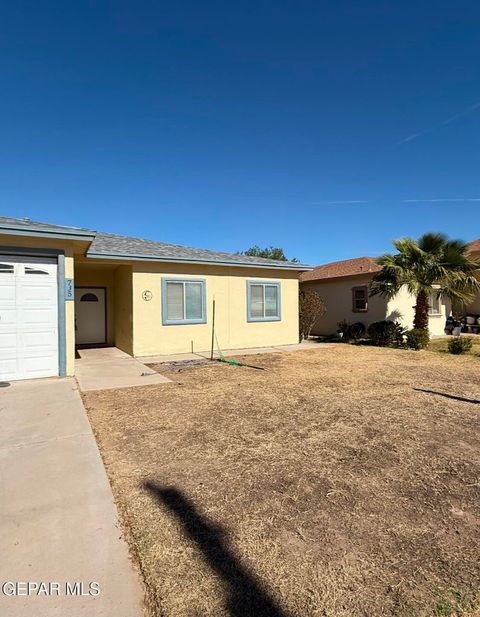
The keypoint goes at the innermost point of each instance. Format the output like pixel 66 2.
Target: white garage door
pixel 28 318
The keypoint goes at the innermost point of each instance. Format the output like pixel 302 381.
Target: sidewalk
pixel 58 521
pixel 228 353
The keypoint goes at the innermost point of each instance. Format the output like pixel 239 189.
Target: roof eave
pixel 32 231
pixel 210 262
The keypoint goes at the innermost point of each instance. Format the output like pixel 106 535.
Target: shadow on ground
pixel 246 596
pixel 452 396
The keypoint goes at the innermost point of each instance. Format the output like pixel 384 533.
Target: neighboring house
pixel 474 307
pixel 344 288
pixel 62 287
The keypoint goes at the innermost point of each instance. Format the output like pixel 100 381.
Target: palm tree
pixel 432 265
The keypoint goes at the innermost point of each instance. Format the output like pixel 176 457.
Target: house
pixel 344 288
pixel 473 309
pixel 67 287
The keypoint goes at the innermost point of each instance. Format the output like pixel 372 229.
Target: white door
pixel 28 318
pixel 90 316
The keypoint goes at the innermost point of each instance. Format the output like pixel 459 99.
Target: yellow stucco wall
pixel 337 296
pixel 123 309
pixel 228 286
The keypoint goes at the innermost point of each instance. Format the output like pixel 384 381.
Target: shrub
pixel 418 338
pixel 386 333
pixel 460 344
pixel 311 308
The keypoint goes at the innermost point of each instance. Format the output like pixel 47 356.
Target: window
pixel 6 268
pixel 360 299
pixel 183 301
pixel 434 304
pixel 263 301
pixel 89 297
pixel 34 271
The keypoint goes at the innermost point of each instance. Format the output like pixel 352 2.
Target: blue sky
pixel 322 127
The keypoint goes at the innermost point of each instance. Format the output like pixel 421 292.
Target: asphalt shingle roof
pixel 111 245
pixel 474 246
pixel 28 224
pixel 336 269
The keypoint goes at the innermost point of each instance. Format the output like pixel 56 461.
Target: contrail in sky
pixel 348 201
pixel 449 120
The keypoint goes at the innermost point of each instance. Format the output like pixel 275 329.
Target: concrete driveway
pixel 58 521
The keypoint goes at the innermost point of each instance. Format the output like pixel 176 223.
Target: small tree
pixel 270 252
pixel 311 308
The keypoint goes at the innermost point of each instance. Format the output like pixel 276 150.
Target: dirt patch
pixel 337 482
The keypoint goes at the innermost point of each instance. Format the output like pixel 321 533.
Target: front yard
pixel 338 482
pixel 441 345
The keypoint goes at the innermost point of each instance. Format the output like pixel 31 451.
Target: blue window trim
pixel 183 322
pixel 273 284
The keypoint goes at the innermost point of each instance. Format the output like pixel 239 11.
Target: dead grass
pixel 338 482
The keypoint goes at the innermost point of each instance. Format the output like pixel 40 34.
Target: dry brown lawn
pixel 338 482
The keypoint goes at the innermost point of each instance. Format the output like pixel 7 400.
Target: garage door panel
pixel 28 321
pixel 8 317
pixel 7 292
pixel 39 366
pixel 36 342
pixel 8 370
pixel 33 294
pixel 8 345
pixel 38 317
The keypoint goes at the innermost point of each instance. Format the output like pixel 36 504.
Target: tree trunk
pixel 420 320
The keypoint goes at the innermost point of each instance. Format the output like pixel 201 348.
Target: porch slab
pixel 109 367
pixel 251 351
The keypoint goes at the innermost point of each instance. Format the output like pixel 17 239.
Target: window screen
pixel 183 301
pixel 263 301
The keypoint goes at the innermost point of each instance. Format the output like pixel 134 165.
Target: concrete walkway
pixel 250 351
pixel 58 521
pixel 109 367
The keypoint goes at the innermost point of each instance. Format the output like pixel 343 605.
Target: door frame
pixel 59 254
pixel 104 344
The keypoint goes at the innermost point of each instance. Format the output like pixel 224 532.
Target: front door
pixel 90 316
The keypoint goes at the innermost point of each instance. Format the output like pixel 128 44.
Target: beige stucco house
pixel 344 288
pixel 65 287
pixel 474 307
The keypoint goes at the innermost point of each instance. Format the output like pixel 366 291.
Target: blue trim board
pixel 183 322
pixel 31 233
pixel 62 338
pixel 277 284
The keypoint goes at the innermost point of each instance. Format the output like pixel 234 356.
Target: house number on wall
pixel 147 295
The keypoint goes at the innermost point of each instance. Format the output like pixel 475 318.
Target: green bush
pixel 460 344
pixel 386 333
pixel 418 338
